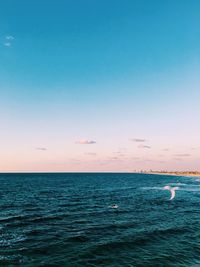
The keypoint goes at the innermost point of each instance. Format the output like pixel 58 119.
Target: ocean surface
pixel 68 220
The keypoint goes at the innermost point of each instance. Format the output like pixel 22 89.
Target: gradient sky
pixel 99 85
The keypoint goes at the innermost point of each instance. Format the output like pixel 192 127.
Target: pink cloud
pixel 144 146
pixel 85 142
pixel 139 140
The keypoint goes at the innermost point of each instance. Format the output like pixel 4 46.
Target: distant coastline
pixel 176 173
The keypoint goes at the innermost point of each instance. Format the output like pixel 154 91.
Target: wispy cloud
pixel 194 148
pixel 139 140
pixel 144 146
pixel 8 40
pixel 165 149
pixel 41 148
pixel 90 153
pixel 8 44
pixel 118 153
pixel 9 37
pixel 113 158
pixel 85 142
pixel 182 155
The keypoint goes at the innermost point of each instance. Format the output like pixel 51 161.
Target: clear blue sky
pixel 103 71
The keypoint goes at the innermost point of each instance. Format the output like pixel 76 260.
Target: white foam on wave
pixel 177 184
pixel 114 206
pixel 10 239
pixel 152 188
pixel 190 189
pixel 184 187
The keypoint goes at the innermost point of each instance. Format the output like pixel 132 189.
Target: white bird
pixel 172 190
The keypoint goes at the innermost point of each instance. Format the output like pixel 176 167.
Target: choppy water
pixel 66 220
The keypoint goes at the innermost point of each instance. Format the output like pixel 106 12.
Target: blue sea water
pixel 66 219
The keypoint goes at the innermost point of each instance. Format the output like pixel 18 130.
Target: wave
pixel 13 218
pixel 186 187
pixel 78 238
pixel 44 225
pixel 8 206
pixel 136 241
pixel 47 218
pixel 152 188
pixel 8 240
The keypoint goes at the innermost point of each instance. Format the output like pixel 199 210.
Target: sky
pixel 99 86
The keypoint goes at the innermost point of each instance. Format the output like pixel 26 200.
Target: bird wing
pixel 173 193
pixel 175 188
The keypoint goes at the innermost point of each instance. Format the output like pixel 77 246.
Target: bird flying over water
pixel 172 190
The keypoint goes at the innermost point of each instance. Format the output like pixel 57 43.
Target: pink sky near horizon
pixel 99 157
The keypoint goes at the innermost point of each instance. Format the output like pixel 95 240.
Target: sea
pixel 68 219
